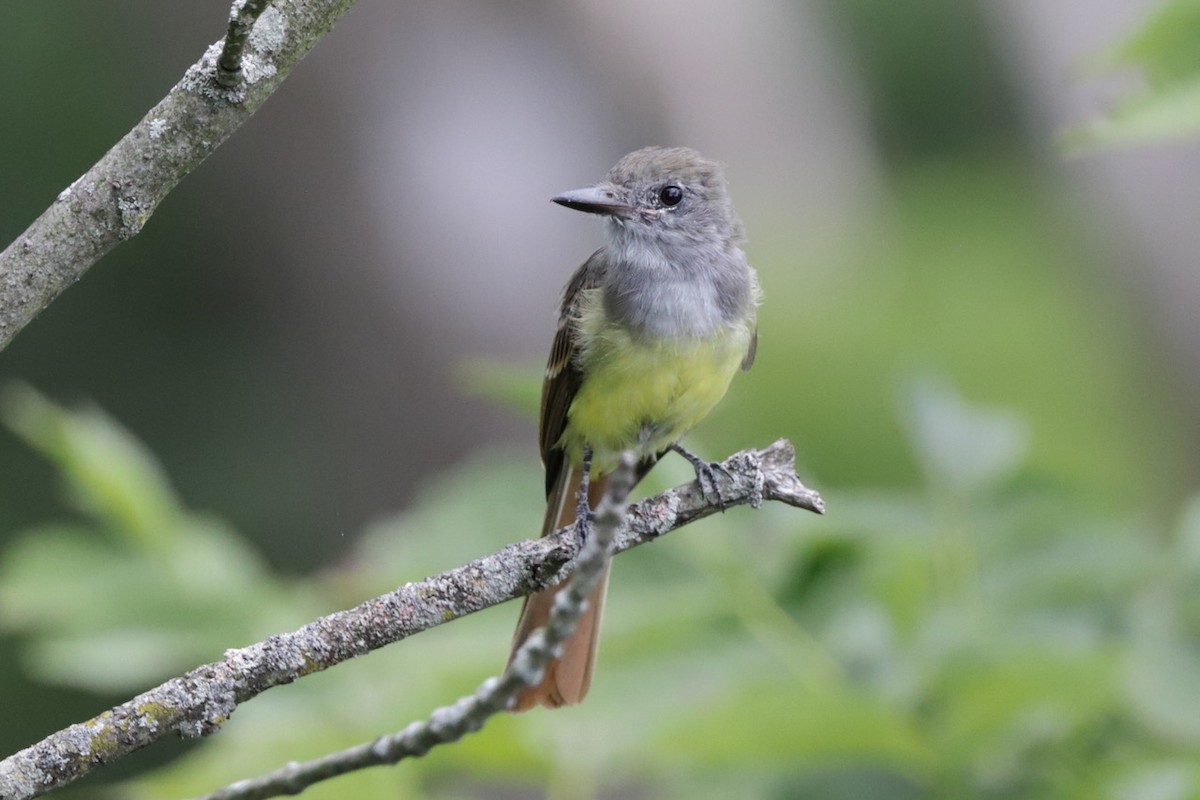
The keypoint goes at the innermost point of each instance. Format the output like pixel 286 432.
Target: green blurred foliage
pixel 138 587
pixel 987 635
pixel 1164 50
pixel 932 81
pixel 971 271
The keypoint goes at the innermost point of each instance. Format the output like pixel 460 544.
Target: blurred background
pixel 314 375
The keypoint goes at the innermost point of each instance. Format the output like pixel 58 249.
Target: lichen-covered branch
pixel 450 723
pixel 112 201
pixel 198 703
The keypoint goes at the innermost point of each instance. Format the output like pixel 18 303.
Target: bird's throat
pixel 661 290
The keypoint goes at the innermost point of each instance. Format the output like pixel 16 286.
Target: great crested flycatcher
pixel 651 330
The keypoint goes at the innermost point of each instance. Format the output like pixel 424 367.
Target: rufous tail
pixel 567 677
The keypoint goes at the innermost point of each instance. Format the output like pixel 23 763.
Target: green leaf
pixel 1163 681
pixel 109 474
pixel 1166 50
pixel 1162 780
pixel 1169 113
pixel 99 614
pixel 1167 45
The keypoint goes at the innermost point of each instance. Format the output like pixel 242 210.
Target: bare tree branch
pixel 198 703
pixel 450 723
pixel 112 201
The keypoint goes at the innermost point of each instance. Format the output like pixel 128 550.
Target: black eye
pixel 670 195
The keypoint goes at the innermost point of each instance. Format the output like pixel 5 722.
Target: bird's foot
pixel 584 516
pixel 706 476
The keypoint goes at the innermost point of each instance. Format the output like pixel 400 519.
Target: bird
pixel 651 330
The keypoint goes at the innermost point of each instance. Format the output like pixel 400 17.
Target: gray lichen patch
pixel 268 32
pixel 255 69
pixel 199 80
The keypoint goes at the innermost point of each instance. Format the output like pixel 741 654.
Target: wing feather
pixel 563 375
pixel 748 360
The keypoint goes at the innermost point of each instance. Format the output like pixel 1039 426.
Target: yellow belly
pixel 645 395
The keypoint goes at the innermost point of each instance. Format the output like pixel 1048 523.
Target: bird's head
pixel 671 194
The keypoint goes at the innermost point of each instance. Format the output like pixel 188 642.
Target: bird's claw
pixel 706 477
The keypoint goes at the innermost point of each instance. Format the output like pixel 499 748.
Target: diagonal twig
pixel 450 723
pixel 242 16
pixel 199 702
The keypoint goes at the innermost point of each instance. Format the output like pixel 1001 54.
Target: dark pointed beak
pixel 602 199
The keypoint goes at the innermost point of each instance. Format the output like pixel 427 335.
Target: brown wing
pixel 562 372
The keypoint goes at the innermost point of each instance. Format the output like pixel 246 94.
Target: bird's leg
pixel 706 475
pixel 583 512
